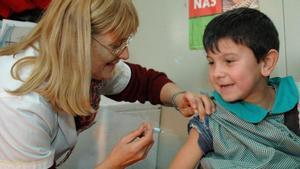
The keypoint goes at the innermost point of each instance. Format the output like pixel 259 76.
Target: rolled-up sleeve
pixel 205 139
pixel 26 132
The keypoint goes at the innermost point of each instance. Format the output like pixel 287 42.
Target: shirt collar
pixel 286 98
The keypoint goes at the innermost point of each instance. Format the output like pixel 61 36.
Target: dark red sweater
pixel 144 85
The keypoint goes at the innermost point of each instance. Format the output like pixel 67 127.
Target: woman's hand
pixel 189 103
pixel 186 102
pixel 130 149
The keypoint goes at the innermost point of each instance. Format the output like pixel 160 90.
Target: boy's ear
pixel 269 62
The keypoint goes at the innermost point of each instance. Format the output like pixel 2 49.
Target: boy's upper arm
pixel 197 145
pixel 189 154
pixel 193 144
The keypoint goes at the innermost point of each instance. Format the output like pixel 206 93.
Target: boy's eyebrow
pixel 230 55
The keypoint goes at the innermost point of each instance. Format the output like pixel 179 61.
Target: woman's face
pixel 104 59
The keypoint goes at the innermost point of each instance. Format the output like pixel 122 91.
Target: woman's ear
pixel 269 62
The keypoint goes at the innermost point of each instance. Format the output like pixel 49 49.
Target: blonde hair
pixel 61 72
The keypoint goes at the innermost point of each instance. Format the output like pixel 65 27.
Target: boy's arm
pixel 189 154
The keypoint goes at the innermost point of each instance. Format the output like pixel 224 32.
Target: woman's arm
pixel 27 126
pixel 156 87
pixel 189 154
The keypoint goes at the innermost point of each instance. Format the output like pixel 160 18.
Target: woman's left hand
pixel 189 103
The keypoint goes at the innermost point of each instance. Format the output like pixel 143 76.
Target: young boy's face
pixel 234 71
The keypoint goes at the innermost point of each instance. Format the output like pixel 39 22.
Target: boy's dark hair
pixel 245 26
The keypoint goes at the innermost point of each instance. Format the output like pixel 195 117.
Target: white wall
pixel 292 34
pixel 274 9
pixel 162 43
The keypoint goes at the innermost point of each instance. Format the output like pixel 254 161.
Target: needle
pixel 156 130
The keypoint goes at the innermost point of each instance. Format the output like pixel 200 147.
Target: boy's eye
pixel 210 62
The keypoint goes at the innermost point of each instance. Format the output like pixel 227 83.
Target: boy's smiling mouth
pixel 225 88
pixel 226 85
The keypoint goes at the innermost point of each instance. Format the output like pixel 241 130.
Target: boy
pixel 256 124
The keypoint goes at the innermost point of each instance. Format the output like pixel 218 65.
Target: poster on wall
pixel 203 11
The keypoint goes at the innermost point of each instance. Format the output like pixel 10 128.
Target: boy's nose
pixel 219 72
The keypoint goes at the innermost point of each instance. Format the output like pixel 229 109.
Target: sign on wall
pixel 204 7
pixel 201 12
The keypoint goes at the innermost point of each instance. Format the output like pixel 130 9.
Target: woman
pixel 47 94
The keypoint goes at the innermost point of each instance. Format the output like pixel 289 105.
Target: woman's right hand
pixel 130 149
